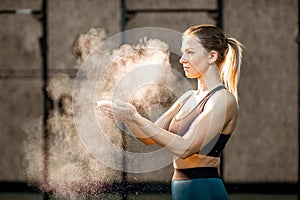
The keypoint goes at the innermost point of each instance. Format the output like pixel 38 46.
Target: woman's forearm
pixel 138 133
pixel 141 127
pixel 172 142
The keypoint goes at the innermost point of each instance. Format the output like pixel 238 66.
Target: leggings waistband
pixel 192 173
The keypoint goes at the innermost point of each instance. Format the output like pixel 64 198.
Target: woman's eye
pixel 189 52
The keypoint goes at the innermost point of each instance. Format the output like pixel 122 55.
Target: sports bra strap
pixel 206 98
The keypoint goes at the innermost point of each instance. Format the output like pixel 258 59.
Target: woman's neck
pixel 208 82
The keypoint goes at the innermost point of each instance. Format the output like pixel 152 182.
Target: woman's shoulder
pixel 225 98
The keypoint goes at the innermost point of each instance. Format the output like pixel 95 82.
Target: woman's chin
pixel 188 75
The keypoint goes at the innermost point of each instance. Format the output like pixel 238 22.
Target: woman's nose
pixel 182 59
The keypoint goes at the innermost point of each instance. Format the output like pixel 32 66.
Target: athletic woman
pixel 198 125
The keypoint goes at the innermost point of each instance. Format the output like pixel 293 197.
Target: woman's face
pixel 194 57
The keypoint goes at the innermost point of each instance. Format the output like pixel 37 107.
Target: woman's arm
pixel 163 121
pixel 210 122
pixel 138 133
pixel 218 112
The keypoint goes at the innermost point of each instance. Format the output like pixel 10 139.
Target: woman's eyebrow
pixel 188 48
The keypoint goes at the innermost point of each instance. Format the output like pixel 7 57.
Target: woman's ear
pixel 213 56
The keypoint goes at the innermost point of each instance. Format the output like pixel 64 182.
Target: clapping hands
pixel 118 110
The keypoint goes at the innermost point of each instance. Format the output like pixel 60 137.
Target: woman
pixel 197 127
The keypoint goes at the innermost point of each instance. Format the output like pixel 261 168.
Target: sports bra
pixel 180 126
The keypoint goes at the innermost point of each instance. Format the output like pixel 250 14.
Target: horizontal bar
pixel 23 11
pixel 169 10
pixel 34 71
pixel 18 76
pixel 29 76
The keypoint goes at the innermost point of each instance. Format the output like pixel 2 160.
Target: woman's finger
pixel 104 103
pixel 107 111
pixel 103 109
pixel 116 110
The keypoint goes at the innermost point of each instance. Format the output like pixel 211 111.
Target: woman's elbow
pixel 187 153
pixel 184 156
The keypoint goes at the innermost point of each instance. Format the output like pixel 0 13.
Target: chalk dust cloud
pixel 72 169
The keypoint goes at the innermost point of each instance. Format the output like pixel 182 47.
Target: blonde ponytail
pixel 229 69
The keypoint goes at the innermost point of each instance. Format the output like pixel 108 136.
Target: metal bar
pixel 35 70
pixel 40 76
pixel 124 184
pixel 47 102
pixel 220 25
pixel 298 109
pixel 123 20
pixel 123 15
pixel 197 10
pixel 220 14
pixel 18 76
pixel 124 190
pixel 24 11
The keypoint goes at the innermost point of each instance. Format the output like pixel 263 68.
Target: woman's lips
pixel 185 68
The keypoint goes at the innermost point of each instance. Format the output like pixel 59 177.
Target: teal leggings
pixel 199 189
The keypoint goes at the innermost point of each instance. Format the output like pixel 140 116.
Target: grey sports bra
pixel 181 126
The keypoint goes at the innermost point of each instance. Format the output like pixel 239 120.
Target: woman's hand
pixel 119 110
